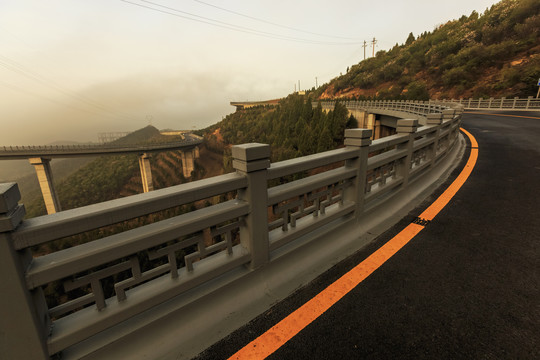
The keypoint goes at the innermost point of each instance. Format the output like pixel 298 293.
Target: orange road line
pixel 287 328
pixel 519 116
pixel 449 193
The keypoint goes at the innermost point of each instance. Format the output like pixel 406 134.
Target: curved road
pixel 466 287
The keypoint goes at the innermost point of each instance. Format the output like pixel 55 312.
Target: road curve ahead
pixel 465 287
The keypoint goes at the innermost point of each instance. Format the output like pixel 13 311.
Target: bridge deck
pixel 466 286
pixel 63 151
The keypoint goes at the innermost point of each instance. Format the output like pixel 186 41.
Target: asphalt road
pixel 466 287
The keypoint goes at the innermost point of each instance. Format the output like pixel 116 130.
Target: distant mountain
pixel 493 54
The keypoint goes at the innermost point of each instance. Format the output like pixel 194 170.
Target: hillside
pixel 493 54
pixel 292 129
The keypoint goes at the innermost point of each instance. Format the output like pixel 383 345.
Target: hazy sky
pixel 70 69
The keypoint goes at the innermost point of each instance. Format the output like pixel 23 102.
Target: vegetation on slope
pixel 496 53
pixel 292 129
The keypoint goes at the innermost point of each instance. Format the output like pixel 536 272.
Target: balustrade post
pixel 406 126
pixel 361 139
pixel 448 114
pixel 252 160
pixel 23 327
pixel 434 120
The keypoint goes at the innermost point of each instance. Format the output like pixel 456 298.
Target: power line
pixel 16 67
pixel 272 23
pixel 57 102
pixel 229 26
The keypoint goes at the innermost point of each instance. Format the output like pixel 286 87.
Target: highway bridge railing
pixel 518 104
pixel 425 107
pixel 120 284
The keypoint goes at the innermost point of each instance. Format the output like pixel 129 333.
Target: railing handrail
pixel 501 104
pixel 363 176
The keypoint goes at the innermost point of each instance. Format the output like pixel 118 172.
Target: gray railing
pixel 528 104
pixel 115 277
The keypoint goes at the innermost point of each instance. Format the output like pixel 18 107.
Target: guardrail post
pixel 528 102
pixel 23 327
pixel 361 139
pixel 252 160
pixel 514 104
pixel 434 120
pixel 406 126
pixel 448 114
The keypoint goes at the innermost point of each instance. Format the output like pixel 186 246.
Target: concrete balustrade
pixel 128 282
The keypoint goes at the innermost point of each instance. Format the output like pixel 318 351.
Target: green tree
pixel 410 39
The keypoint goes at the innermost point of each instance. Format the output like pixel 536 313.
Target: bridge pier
pixel 45 178
pixel 146 172
pixel 188 161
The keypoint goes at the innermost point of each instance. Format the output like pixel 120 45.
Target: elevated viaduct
pixel 41 156
pixel 240 105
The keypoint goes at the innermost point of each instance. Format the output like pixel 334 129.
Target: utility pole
pixel 317 85
pixel 299 89
pixel 364 46
pixel 373 42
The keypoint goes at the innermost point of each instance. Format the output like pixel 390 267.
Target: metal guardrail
pixel 113 278
pixel 503 104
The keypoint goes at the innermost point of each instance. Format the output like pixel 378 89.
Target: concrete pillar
pixel 406 126
pixel 359 138
pixel 45 178
pixel 187 163
pixel 146 172
pixel 23 328
pixel 377 130
pixel 370 121
pixel 434 119
pixel 252 160
pixel 448 114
